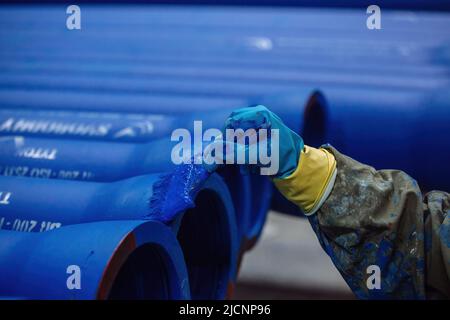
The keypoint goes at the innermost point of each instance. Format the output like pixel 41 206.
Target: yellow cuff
pixel 311 183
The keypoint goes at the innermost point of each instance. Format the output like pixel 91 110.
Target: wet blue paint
pixel 175 192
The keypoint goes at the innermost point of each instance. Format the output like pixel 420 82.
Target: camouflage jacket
pixel 380 218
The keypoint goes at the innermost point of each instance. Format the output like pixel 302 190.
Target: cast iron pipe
pixel 205 224
pixel 112 257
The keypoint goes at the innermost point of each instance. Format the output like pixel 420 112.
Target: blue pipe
pixel 45 99
pixel 362 45
pixel 18 157
pixel 399 4
pixel 393 129
pixel 318 58
pixel 66 124
pixel 279 43
pixel 106 126
pixel 205 224
pixel 72 202
pixel 85 160
pixel 24 60
pixel 175 20
pixel 112 257
pixel 344 123
pixel 219 19
pixel 95 169
pixel 260 185
pixel 87 125
pixel 129 103
pixel 388 129
pixel 203 16
pixel 210 243
pixel 229 82
pixel 184 19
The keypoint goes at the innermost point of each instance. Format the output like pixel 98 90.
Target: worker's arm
pixel 364 218
pixel 379 218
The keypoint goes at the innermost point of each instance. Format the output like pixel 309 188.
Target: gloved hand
pixel 306 175
pixel 259 117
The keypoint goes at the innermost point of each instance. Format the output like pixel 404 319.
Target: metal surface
pixel 36 265
pixel 383 100
pixel 182 66
pixel 85 161
pixel 207 232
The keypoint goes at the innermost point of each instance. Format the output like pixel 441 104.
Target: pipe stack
pixel 86 118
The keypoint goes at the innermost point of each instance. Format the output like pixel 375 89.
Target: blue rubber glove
pixel 259 117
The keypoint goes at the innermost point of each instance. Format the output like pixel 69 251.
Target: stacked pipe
pixel 117 260
pixel 87 115
pixel 206 237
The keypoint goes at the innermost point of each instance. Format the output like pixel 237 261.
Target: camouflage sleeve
pixel 379 218
pixel 437 244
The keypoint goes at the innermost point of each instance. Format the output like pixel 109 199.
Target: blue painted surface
pixel 131 199
pixel 80 202
pixel 33 265
pixel 85 161
pixel 88 125
pixel 196 59
pixel 398 4
pixel 383 97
